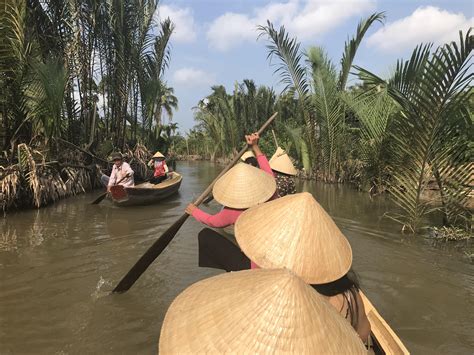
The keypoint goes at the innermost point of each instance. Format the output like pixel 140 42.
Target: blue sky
pixel 215 41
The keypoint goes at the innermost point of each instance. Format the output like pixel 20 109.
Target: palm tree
pixel 156 96
pixel 167 102
pixel 45 98
pixel 431 129
pixel 318 93
pixel 374 110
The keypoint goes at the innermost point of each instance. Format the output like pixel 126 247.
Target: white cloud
pixel 230 29
pixel 303 19
pixel 425 24
pixel 192 77
pixel 183 19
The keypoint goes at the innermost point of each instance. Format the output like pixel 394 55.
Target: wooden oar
pixel 101 197
pixel 162 242
pixel 208 199
pixel 275 138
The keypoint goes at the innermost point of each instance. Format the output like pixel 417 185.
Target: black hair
pixel 348 285
pixel 280 173
pixel 251 161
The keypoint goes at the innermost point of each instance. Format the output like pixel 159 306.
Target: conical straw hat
pixel 158 155
pixel 295 232
pixel 255 312
pixel 246 155
pixel 281 162
pixel 244 186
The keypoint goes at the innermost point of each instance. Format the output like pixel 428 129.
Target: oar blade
pixel 150 255
pixel 99 199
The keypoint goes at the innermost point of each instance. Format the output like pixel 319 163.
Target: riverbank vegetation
pixel 409 134
pixel 79 80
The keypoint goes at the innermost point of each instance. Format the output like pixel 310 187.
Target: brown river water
pixel 58 265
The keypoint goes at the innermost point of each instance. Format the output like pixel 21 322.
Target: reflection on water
pixel 58 265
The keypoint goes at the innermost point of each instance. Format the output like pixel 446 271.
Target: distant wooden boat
pixel 220 251
pixel 145 193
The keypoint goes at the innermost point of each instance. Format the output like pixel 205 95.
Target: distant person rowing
pixel 158 163
pixel 122 173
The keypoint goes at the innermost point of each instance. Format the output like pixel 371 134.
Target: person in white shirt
pixel 122 173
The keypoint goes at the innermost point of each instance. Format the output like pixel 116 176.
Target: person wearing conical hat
pixel 284 172
pixel 122 173
pixel 240 188
pixel 295 232
pixel 160 169
pixel 242 313
pixel 249 158
pixel 255 156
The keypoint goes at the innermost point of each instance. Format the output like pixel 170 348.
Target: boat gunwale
pixel 381 330
pixel 177 178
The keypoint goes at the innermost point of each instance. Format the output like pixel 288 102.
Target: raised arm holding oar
pixel 162 242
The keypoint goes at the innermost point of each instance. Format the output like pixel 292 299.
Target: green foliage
pixel 374 110
pixel 45 97
pixel 318 87
pixel 432 92
pixel 351 46
pixel 59 59
pixel 227 118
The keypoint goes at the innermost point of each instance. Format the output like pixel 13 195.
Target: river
pixel 58 264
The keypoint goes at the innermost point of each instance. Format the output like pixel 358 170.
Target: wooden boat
pixel 383 337
pixel 145 193
pixel 219 251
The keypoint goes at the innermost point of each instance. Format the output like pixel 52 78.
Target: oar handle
pixel 206 192
pixel 275 139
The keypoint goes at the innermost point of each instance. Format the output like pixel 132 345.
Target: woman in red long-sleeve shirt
pixel 228 215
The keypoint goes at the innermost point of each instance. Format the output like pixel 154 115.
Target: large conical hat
pixel 244 186
pixel 255 312
pixel 297 233
pixel 246 155
pixel 281 162
pixel 158 155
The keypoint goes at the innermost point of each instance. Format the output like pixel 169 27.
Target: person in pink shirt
pixel 160 169
pixel 228 215
pixel 257 159
pixel 122 173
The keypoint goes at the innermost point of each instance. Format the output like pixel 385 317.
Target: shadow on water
pixel 59 264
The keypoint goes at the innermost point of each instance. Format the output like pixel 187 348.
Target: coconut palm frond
pixel 328 109
pixel 291 67
pixel 297 138
pixel 351 46
pixel 432 92
pixel 374 110
pixel 157 62
pixel 45 95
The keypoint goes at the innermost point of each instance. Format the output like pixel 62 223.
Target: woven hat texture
pixel 281 162
pixel 244 186
pixel 295 232
pixel 258 311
